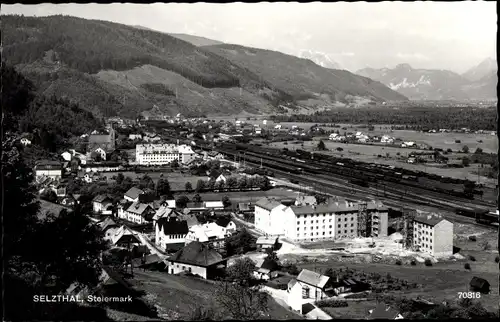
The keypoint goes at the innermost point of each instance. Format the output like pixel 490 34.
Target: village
pixel 179 210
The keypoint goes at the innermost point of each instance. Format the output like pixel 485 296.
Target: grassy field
pixel 174 178
pixel 442 281
pixel 369 153
pixel 178 296
pixel 356 310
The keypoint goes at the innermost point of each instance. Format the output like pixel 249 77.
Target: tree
pixel 119 178
pixel 182 201
pixel 226 201
pixel 340 149
pixel 242 183
pixel 200 185
pixel 465 149
pixel 49 195
pixel 231 182
pixel 146 182
pixel 197 198
pixel 163 187
pixel 174 164
pixel 272 256
pixel 188 186
pixel 465 161
pixel 321 146
pixel 320 199
pixel 478 151
pixel 241 271
pixel 96 157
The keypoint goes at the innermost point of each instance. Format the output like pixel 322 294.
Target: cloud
pixel 413 56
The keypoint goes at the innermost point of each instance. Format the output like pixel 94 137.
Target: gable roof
pixel 214 204
pixel 134 193
pixel 266 240
pixel 124 234
pixel 292 282
pixel 139 208
pixel 312 278
pixel 428 219
pixel 172 226
pixel 267 264
pixel 383 311
pixel 107 223
pixel 101 198
pixel 198 254
pixel 195 205
pixel 223 221
pixel 268 203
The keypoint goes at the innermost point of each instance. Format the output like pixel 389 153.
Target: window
pixel 323 233
pixel 298 222
pixel 189 269
pixel 317 221
pixel 330 226
pixel 323 221
pixel 298 229
pixel 352 225
pixel 345 225
pixel 345 231
pixel 339 226
pixel 311 234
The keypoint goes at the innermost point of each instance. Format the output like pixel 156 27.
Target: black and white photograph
pixel 250 161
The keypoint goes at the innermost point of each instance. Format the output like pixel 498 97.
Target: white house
pixel 214 205
pixel 269 216
pixel 433 234
pixel 101 152
pixel 51 169
pixel 102 204
pixel 309 287
pixel 140 213
pixel 227 224
pixel 277 126
pixel 265 269
pixel 196 258
pixel 159 154
pixel 135 137
pixel 209 233
pixel 221 178
pixel 407 144
pixel 170 233
pixel 133 194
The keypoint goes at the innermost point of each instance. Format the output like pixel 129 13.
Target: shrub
pixel 467 266
pixel 413 262
pixel 472 258
pixel 497 259
pixel 428 262
pixel 334 303
pixel 458 141
pixel 398 262
pixel 472 238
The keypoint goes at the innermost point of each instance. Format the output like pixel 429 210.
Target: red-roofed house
pixel 196 258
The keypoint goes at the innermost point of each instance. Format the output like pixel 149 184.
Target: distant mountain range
pixel 479 83
pixel 114 69
pixel 320 58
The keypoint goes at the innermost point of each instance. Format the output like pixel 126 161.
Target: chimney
pixel 429 216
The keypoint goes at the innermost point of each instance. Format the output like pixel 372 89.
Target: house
pixel 122 207
pixel 265 269
pixel 47 168
pixel 407 144
pixel 166 212
pixel 102 204
pixel 268 213
pixel 384 312
pixel 101 152
pixel 133 194
pixel 150 261
pixel 214 155
pixel 196 206
pixel 68 201
pixel 208 233
pixel 433 234
pixel 170 233
pixel 245 207
pixel 221 178
pixel 196 258
pixel 108 226
pixel 227 224
pixel 135 136
pixel 349 285
pixel 140 213
pixel 214 205
pixel 60 190
pixel 266 242
pixel 124 237
pixel 307 288
pixel 277 126
pixel 25 141
pixel 104 141
pixel 387 139
pixel 478 284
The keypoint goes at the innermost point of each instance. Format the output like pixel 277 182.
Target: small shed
pixel 479 284
pixel 266 242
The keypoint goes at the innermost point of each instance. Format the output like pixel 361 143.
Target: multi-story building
pixel 159 154
pixel 334 220
pixel 51 169
pixel 433 234
pixel 269 216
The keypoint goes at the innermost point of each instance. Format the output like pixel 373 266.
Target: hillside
pixel 484 69
pixel 197 40
pixel 302 78
pixel 114 69
pixel 424 84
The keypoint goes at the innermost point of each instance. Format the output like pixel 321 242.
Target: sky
pixel 432 35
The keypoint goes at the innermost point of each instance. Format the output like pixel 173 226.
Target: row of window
pixel 323 227
pixel 324 233
pixel 327 214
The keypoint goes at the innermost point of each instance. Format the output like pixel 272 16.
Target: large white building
pixel 269 216
pixel 159 154
pixel 433 234
pixel 306 223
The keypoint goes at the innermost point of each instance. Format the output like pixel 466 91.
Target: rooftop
pixel 134 193
pixel 173 226
pixel 198 254
pixel 429 219
pixel 383 311
pixel 312 278
pixel 268 203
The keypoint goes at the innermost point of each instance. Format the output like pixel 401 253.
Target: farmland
pixel 250 196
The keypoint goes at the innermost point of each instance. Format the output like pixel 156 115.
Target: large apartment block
pixel 433 234
pixel 335 220
pixel 159 154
